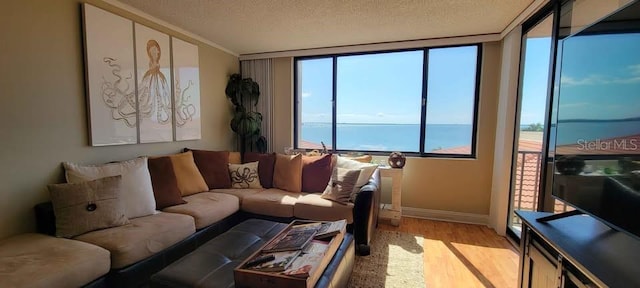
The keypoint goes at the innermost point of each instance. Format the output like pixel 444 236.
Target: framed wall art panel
pixel 110 83
pixel 186 73
pixel 153 62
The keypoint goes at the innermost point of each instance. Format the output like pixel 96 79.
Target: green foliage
pixel 537 127
pixel 244 95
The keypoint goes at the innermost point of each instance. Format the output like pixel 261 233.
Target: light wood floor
pixel 462 255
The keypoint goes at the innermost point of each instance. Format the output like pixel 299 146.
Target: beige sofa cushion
pixel 271 202
pixel 314 207
pixel 141 238
pixel 207 207
pixel 240 193
pixel 37 260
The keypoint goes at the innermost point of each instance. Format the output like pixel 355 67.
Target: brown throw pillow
pixel 245 176
pixel 213 165
pixel 341 186
pixel 87 206
pixel 164 182
pixel 287 173
pixel 316 173
pixel 266 163
pixel 188 176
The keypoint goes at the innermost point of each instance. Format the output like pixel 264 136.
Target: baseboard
pixel 450 216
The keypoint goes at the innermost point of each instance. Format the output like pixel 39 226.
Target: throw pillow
pixel 287 172
pixel 213 165
pixel 361 159
pixel 235 158
pixel 342 184
pixel 164 182
pixel 188 176
pixel 87 206
pixel 366 168
pixel 266 163
pixel 245 176
pixel 316 173
pixel 136 182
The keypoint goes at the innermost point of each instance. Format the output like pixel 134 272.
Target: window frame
pixel 423 117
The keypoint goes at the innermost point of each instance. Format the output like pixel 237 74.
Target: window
pixel 421 102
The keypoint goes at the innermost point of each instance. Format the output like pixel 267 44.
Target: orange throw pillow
pixel 188 176
pixel 287 173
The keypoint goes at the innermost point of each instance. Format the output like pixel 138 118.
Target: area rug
pixel 396 260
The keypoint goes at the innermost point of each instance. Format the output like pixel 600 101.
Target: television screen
pixel 597 131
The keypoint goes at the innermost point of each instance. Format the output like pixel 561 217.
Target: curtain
pixel 261 71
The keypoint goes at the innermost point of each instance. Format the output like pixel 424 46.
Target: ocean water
pixel 388 137
pixel 569 133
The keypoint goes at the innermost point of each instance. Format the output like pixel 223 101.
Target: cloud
pixel 595 79
pixel 380 114
pixel 306 94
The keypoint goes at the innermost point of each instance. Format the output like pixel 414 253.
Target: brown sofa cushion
pixel 266 164
pixel 287 173
pixel 271 202
pixel 188 176
pixel 314 207
pixel 213 167
pixel 37 260
pixel 141 238
pixel 207 207
pixel 87 206
pixel 165 184
pixel 316 172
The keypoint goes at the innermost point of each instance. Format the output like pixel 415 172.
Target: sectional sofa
pixel 127 255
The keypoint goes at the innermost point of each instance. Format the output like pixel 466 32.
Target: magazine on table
pixel 281 261
pixel 328 229
pixel 294 239
pixel 304 265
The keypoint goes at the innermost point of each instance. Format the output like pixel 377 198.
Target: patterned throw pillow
pixel 245 176
pixel 87 206
pixel 341 186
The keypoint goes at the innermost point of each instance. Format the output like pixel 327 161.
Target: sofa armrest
pixel 365 213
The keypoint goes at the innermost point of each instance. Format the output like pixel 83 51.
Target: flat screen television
pixel 597 123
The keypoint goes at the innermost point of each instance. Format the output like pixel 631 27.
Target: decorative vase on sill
pixel 397 160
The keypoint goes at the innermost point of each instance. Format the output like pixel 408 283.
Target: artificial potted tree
pixel 246 122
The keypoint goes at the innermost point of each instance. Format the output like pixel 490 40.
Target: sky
pixel 607 85
pixel 387 88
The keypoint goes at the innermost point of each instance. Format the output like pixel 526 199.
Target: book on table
pixel 309 260
pixel 328 229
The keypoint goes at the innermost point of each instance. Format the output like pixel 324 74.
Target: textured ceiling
pixel 255 26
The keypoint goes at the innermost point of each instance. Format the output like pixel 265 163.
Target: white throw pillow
pixel 341 185
pixel 137 192
pixel 244 176
pixel 366 170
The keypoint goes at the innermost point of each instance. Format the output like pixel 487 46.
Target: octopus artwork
pixel 154 93
pixel 119 95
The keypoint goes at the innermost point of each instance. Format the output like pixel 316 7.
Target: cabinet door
pixel 542 271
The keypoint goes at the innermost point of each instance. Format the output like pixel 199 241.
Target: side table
pixel 392 211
